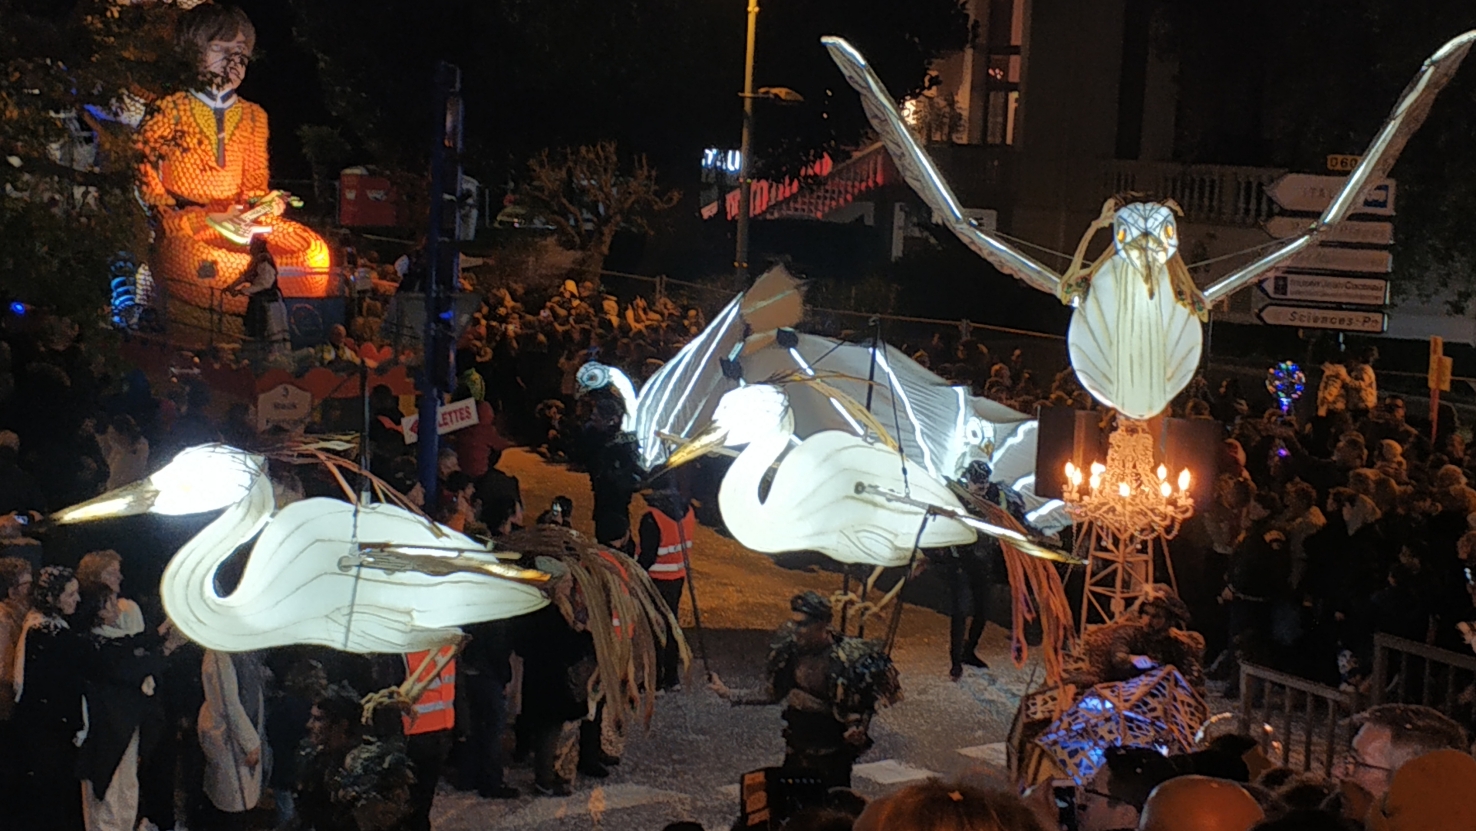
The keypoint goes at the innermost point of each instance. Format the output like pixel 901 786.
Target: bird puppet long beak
pixel 129 500
pixel 710 439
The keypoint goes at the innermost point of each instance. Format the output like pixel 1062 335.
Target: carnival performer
pixel 205 169
pixel 831 685
pixel 1153 634
pixel 266 314
pixel 968 571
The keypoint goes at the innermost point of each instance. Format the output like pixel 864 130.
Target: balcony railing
pixel 1213 194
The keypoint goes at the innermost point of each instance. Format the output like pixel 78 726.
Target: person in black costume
pixel 831 686
pixel 969 570
pixel 48 712
pixel 558 660
pixel 611 456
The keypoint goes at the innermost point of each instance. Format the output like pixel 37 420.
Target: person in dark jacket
pixel 123 718
pixel 611 457
pixel 558 658
pixel 48 710
pixel 484 671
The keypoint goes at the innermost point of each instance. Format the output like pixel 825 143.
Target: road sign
pixel 1348 231
pixel 1339 163
pixel 1327 288
pixel 1357 260
pixel 1311 193
pixel 1307 318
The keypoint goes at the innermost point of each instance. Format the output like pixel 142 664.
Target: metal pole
pixel 745 148
pixel 445 176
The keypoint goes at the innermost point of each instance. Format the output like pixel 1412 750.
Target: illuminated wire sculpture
pixel 820 497
pixel 1133 338
pixel 357 577
pixel 1157 710
pixel 940 428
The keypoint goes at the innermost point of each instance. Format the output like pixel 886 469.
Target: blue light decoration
pixel 1285 382
pixel 18 308
pixel 123 285
pixel 1158 710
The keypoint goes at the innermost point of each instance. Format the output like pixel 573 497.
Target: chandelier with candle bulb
pixel 1129 495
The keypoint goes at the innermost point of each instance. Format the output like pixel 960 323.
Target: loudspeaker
pixel 1193 443
pixel 1066 435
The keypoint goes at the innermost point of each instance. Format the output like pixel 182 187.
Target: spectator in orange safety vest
pixel 428 735
pixel 666 534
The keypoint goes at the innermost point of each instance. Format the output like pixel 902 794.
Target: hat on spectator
pixel 1429 793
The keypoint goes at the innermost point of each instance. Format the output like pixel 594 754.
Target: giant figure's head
pixel 220 39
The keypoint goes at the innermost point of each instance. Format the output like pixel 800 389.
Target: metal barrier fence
pixel 1313 711
pixel 1425 675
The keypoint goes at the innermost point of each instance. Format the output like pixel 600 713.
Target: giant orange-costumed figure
pixel 205 178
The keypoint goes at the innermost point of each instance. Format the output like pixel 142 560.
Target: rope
pixel 1232 255
pixel 692 593
pixel 1026 244
pixel 896 623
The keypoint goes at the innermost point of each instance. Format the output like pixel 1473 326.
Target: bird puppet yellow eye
pixel 1122 234
pixel 1168 232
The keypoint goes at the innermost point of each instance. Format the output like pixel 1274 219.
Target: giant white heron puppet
pixel 845 495
pixel 367 578
pixel 1134 338
pixel 940 428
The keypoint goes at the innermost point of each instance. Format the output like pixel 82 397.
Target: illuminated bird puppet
pixel 1134 338
pixel 368 578
pixel 749 380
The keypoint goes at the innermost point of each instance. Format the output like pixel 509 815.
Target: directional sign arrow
pixel 1357 233
pixel 1307 318
pixel 1360 260
pixel 1327 288
pixel 1311 193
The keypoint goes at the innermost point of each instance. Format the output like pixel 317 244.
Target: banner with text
pixel 452 417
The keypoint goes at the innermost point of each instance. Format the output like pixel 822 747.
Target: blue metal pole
pixel 438 370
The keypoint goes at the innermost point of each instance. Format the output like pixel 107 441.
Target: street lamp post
pixel 745 148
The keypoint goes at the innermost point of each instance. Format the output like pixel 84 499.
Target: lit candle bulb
pixel 1163 488
pixel 1095 481
pixel 1070 471
pixel 1163 473
pixel 1184 480
pixel 1123 490
pixel 1098 468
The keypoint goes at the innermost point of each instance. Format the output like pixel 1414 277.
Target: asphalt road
pixel 687 765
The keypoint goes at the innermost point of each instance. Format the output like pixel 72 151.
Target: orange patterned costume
pixel 202 160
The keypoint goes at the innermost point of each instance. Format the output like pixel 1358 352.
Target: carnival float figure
pixel 204 177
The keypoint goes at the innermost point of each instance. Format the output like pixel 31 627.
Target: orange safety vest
pixel 675 545
pixel 436 709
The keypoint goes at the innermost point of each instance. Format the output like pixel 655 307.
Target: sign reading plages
pixel 453 417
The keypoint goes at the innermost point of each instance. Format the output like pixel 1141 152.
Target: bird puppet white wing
pixel 682 394
pixel 918 169
pixel 1408 114
pixel 920 172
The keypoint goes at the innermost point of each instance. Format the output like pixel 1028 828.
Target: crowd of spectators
pixel 1330 523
